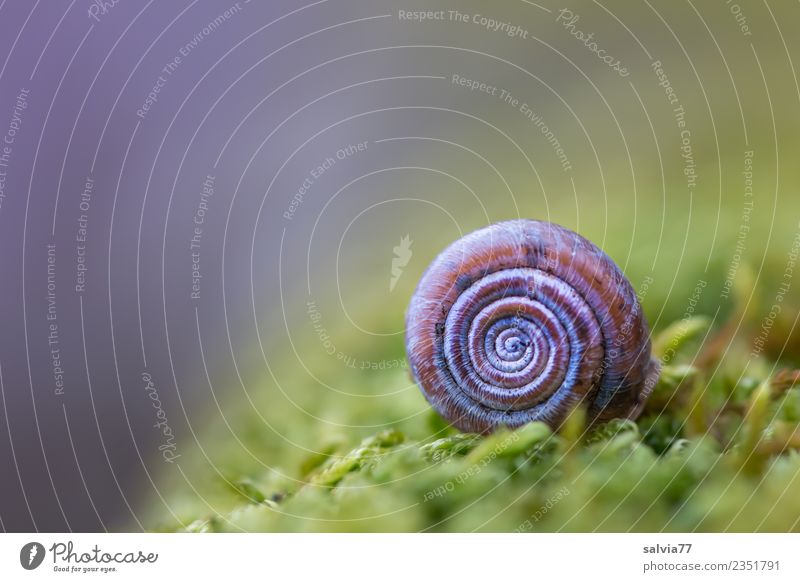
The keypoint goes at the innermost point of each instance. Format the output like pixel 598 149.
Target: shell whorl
pixel 525 320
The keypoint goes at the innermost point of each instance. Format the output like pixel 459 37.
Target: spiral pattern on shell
pixel 523 321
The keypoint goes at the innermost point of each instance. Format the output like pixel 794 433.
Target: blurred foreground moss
pixel 715 450
pixel 527 481
pixel 619 477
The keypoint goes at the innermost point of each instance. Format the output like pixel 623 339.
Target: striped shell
pixel 523 321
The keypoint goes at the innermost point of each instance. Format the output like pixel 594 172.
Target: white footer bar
pixel 442 557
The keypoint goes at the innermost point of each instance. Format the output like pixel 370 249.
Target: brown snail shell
pixel 523 321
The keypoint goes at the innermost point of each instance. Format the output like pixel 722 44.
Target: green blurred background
pixel 442 160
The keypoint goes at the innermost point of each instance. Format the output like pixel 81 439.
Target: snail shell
pixel 523 321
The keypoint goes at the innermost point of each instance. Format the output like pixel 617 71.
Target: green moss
pixel 715 450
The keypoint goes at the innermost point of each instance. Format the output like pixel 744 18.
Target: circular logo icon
pixel 31 555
